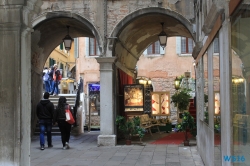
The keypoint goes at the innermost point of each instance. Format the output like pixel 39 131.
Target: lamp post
pixel 67 40
pixel 163 37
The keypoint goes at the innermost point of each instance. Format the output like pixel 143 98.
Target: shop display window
pixel 160 103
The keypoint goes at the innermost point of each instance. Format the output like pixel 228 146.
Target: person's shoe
pixel 64 148
pixel 67 145
pixel 50 146
pixel 42 147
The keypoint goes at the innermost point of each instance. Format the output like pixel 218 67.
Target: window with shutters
pixel 186 45
pixel 154 50
pixel 61 46
pixel 93 47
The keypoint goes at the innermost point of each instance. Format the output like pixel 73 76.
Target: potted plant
pixel 181 99
pixel 167 125
pixel 186 125
pixel 129 128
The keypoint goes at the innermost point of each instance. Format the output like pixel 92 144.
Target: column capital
pixel 105 59
pixel 106 63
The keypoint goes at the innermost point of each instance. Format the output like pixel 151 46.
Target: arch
pixel 138 30
pixel 153 10
pixel 49 30
pixel 51 26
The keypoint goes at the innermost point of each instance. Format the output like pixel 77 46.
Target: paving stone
pixel 173 164
pixel 84 151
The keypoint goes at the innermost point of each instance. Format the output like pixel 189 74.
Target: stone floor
pixel 84 151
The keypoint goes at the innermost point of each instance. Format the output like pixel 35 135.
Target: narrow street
pixel 84 151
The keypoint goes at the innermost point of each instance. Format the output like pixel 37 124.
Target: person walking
pixel 51 71
pixel 60 118
pixel 46 79
pixel 44 112
pixel 56 79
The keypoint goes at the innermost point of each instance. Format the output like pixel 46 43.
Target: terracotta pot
pixel 186 142
pixel 128 142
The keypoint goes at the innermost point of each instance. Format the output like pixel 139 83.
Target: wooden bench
pixel 146 123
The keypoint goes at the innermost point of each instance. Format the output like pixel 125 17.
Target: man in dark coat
pixel 45 112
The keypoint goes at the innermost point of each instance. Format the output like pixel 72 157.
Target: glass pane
pixel 216 45
pixel 190 45
pixel 216 84
pixel 150 49
pixel 91 46
pixel 157 47
pixel 240 89
pixel 205 70
pixel 183 45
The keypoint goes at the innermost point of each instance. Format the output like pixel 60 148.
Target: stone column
pixel 107 121
pixel 15 86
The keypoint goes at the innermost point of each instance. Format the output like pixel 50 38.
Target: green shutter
pixel 61 46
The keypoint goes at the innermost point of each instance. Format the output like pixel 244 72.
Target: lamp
pixel 162 37
pixel 149 81
pixel 67 40
pixel 177 83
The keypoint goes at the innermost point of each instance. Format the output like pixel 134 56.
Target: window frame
pixel 187 51
pixel 95 47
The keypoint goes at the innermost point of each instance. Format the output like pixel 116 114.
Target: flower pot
pixel 128 142
pixel 186 142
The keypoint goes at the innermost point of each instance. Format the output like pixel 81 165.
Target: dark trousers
pixel 45 126
pixel 65 129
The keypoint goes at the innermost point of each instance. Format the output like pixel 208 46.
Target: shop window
pixel 240 84
pixel 94 98
pixel 205 80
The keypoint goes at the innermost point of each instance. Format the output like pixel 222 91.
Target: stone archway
pixel 49 30
pixel 138 30
pixel 131 36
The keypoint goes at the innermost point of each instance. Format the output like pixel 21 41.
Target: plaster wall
pixel 87 66
pixel 164 69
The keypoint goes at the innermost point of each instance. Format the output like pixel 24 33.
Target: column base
pixel 106 140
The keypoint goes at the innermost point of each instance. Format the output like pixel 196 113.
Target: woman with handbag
pixel 60 118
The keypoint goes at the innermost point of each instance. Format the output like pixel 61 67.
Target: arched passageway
pixel 49 30
pixel 128 40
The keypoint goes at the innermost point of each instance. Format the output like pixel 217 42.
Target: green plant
pixel 181 99
pixel 205 98
pixel 206 116
pixel 186 124
pixel 130 127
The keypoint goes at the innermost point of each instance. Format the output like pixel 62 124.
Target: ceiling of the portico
pixel 138 34
pixel 52 31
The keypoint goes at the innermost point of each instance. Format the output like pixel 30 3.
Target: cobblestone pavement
pixel 84 151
